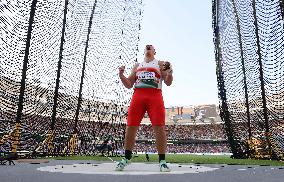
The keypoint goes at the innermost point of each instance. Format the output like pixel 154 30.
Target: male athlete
pixel 147 79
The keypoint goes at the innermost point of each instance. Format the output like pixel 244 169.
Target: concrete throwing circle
pixel 132 169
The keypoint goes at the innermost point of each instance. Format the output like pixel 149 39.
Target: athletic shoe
pixel 122 164
pixel 164 167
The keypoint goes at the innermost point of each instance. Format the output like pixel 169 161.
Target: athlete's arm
pixel 128 82
pixel 167 72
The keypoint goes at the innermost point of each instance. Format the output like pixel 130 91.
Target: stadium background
pixel 60 92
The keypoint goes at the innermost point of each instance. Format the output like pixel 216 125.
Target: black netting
pixel 62 70
pixel 249 51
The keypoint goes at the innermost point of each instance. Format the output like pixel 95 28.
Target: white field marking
pixel 241 169
pixel 132 169
pixel 111 159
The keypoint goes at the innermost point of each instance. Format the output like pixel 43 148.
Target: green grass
pixel 183 158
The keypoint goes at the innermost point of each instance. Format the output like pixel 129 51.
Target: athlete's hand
pixel 167 67
pixel 121 70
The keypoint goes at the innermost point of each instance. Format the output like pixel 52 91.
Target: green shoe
pixel 164 167
pixel 122 164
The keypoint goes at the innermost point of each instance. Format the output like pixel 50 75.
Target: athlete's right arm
pixel 128 82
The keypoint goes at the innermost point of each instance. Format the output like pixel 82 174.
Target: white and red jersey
pixel 148 75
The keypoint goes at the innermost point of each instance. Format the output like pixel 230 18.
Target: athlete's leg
pixel 129 141
pixel 161 140
pixel 156 111
pixel 136 112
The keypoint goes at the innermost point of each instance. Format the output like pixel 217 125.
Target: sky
pixel 181 32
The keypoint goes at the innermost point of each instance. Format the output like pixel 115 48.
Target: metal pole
pixel 224 112
pixel 53 117
pixel 16 134
pixel 25 63
pixel 281 2
pixel 265 113
pixel 243 69
pixel 83 69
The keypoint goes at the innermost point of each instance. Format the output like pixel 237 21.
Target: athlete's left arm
pixel 167 72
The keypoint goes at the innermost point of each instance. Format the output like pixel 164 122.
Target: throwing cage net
pixel 249 52
pixel 59 91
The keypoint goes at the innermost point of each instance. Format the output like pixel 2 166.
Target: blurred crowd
pixel 184 132
pixel 217 147
pixel 108 137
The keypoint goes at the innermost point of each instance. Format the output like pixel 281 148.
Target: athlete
pixel 146 78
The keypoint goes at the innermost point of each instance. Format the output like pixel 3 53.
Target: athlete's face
pixel 150 50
